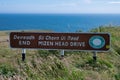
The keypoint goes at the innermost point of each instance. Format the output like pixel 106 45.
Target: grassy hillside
pixel 47 64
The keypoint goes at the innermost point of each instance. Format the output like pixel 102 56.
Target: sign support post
pixel 62 53
pixel 95 56
pixel 23 54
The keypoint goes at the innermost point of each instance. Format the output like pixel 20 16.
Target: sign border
pixel 66 33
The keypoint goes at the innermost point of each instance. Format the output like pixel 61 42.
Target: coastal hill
pixel 47 64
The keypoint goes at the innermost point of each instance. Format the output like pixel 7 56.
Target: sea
pixel 57 22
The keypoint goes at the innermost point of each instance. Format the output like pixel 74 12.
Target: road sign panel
pixel 69 41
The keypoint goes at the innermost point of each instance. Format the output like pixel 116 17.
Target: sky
pixel 60 6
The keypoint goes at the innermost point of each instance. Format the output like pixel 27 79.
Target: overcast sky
pixel 60 6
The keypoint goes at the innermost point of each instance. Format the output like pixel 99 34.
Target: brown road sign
pixel 69 41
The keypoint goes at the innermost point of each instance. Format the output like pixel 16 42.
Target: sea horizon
pixel 56 22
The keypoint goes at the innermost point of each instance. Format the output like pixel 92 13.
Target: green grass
pixel 7 70
pixel 76 65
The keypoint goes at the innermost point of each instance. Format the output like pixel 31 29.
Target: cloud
pixel 114 2
pixel 67 4
pixel 72 4
pixel 88 1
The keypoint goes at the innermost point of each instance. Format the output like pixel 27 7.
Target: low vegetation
pixel 48 65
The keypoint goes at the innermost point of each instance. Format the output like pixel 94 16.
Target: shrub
pixel 117 76
pixel 43 53
pixel 7 70
pixel 99 65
